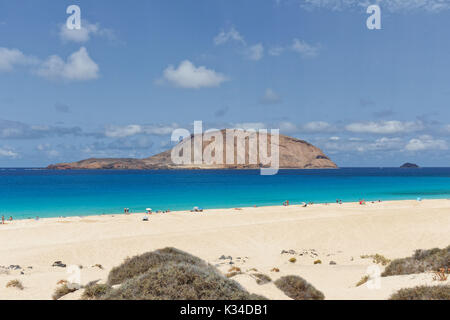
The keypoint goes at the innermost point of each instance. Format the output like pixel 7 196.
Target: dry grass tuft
pixel 441 274
pixel 377 258
pixel 298 289
pixel 318 262
pixel 441 292
pixel 292 260
pixel 363 280
pixel 275 270
pixel 15 284
pixel 62 291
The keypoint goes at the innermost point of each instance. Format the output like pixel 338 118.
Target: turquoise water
pixel 26 193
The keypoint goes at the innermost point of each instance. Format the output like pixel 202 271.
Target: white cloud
pixel 288 127
pixel 305 49
pixel 255 52
pixel 432 6
pixel 270 97
pixel 230 35
pixel 7 153
pixel 123 131
pixel 84 34
pixel 276 51
pixel 317 126
pixel 134 129
pixel 12 57
pixel 385 127
pixel 187 75
pixel 79 66
pixel 447 128
pixel 251 52
pixel 426 142
pixel 250 125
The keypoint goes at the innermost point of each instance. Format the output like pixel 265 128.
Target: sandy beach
pixel 253 237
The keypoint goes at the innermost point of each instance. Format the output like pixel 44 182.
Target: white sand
pixel 340 233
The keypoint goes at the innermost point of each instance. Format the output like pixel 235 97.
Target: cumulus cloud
pixel 84 34
pixel 79 66
pixel 385 127
pixel 249 125
pixel 432 6
pixel 317 126
pixel 230 35
pixel 9 58
pixel 135 129
pixel 305 49
pixel 255 52
pixel 187 75
pixel 251 52
pixel 8 153
pixel 426 142
pixel 276 51
pixel 270 97
pixel 19 130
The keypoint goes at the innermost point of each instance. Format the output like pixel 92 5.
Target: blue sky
pixel 139 69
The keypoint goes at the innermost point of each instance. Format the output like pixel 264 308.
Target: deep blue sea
pixel 26 193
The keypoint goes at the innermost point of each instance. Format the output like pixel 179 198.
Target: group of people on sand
pixel 3 219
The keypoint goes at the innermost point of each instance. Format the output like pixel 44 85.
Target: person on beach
pixel 3 219
pixel 10 218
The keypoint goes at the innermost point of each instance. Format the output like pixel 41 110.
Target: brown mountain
pixel 293 154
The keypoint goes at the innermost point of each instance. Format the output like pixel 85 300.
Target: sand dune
pixel 338 233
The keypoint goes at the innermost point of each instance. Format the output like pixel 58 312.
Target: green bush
pixel 441 292
pixel 298 289
pixel 421 261
pixel 168 274
pixel 139 265
pixel 262 278
pixel 95 291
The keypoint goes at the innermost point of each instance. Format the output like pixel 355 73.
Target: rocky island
pixel 293 154
pixel 409 165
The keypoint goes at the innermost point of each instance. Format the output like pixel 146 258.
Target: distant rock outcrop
pixel 293 154
pixel 409 165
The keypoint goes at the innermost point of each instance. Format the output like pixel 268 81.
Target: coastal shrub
pixel 275 270
pixel 95 291
pixel 262 278
pixel 292 260
pixel 298 289
pixel 377 258
pixel 180 281
pixel 440 292
pixel 62 291
pixel 318 262
pixel 363 280
pixel 168 274
pixel 421 261
pixel 15 284
pixel 139 265
pixel 235 269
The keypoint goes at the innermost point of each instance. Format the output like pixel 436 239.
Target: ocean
pixel 27 193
